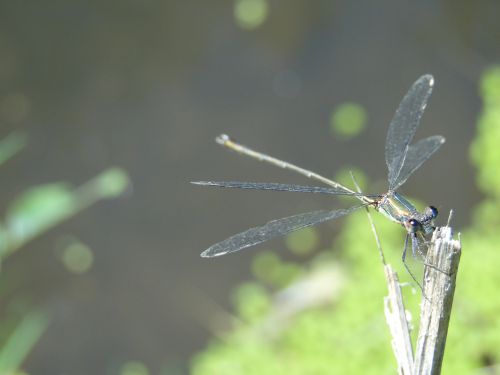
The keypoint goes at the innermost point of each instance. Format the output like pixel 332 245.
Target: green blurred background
pixel 123 100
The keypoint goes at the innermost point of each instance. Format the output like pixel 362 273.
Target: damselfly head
pixel 431 212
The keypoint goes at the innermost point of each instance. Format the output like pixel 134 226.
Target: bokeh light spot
pixel 77 257
pixel 250 14
pixel 348 120
pixel 303 241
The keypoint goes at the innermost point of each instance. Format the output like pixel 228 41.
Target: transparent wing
pixel 272 229
pixel 282 187
pixel 404 124
pixel 417 154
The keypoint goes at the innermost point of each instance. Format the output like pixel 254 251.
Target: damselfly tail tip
pixel 208 254
pixel 222 139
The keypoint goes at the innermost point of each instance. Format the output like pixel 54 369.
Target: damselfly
pixel 402 160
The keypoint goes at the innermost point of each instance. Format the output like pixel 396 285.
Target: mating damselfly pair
pixel 402 159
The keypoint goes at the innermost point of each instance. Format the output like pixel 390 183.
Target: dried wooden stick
pixel 442 261
pixel 439 288
pixel 397 321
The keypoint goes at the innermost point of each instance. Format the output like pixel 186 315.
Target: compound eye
pixel 413 225
pixel 431 211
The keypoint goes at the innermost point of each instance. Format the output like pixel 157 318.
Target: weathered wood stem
pixel 440 273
